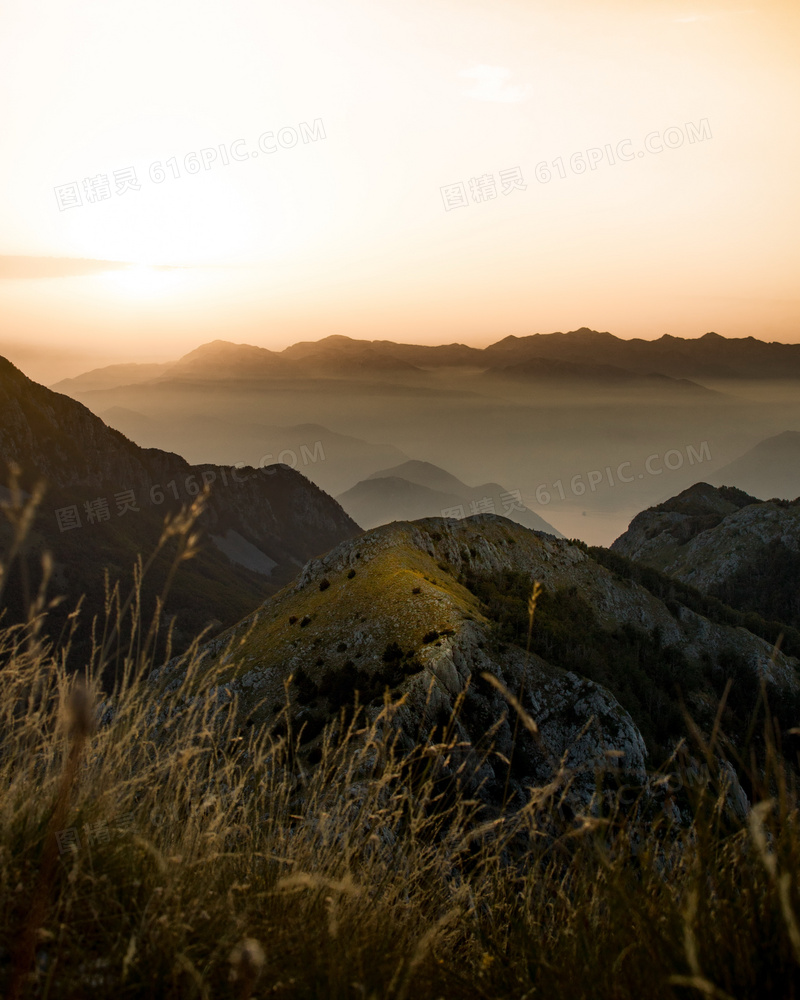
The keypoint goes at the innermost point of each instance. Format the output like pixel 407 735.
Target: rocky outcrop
pixel 721 541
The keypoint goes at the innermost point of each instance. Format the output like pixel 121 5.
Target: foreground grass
pixel 149 847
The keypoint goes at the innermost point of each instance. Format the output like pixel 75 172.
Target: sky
pixel 427 172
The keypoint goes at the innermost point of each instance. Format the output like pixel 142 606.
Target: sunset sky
pixel 348 232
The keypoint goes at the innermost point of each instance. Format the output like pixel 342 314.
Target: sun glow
pixel 143 282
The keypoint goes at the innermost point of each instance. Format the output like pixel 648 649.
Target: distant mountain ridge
pixel 333 461
pixel 769 469
pixel 710 356
pixel 417 489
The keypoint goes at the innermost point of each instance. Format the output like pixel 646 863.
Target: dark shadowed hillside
pixel 106 499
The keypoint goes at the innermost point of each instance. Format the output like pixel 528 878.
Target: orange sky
pixel 347 231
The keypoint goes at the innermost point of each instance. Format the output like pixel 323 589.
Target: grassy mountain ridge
pixel 431 605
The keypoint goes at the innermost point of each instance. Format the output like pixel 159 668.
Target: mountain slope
pixel 769 469
pixel 426 608
pixel 417 489
pixel 725 543
pixel 331 460
pixel 221 359
pixel 342 356
pixel 332 357
pixel 424 474
pixel 381 354
pixel 557 370
pixel 110 377
pixel 106 501
pixel 379 500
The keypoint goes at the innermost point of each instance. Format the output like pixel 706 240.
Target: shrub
pixel 392 653
pixel 324 583
pixel 306 688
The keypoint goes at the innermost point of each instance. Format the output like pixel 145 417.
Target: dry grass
pixel 210 862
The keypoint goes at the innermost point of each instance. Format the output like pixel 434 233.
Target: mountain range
pixel 583 353
pixel 435 609
pixel 539 415
pixel 106 499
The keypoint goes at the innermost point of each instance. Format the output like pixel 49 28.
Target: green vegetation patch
pixel 648 678
pixel 771 586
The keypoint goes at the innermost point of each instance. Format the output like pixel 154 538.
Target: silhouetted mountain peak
pixel 424 474
pixel 217 349
pixel 417 489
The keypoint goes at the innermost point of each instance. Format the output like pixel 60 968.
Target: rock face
pixel 274 510
pixel 388 610
pixel 725 543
